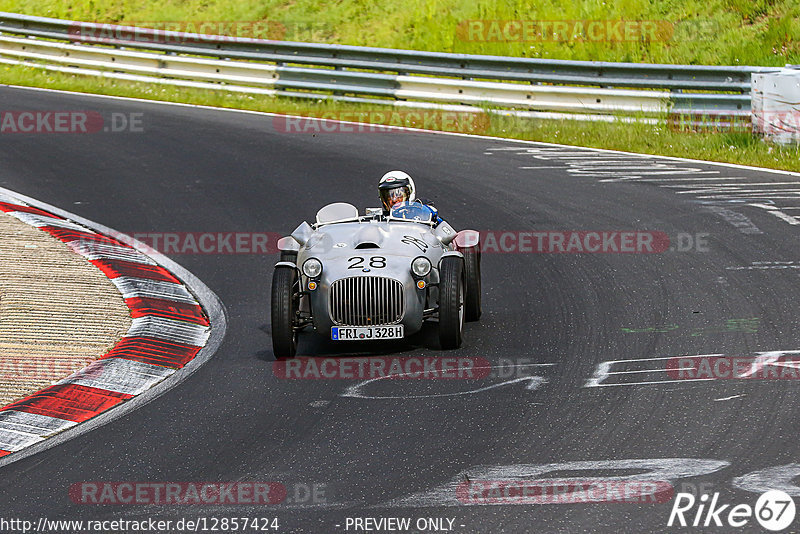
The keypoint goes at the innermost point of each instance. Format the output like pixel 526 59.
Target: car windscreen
pixel 412 211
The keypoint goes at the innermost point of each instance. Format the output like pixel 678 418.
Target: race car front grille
pixel 366 301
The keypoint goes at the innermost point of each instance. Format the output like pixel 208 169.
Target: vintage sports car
pixel 374 277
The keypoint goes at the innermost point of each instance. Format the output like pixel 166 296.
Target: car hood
pixel 395 238
pixel 339 247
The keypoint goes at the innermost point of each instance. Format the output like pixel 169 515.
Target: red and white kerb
pixel 169 328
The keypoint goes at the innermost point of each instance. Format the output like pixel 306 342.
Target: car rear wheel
pixel 472 276
pixel 285 300
pixel 451 302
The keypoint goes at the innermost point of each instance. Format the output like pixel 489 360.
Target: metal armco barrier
pixel 521 86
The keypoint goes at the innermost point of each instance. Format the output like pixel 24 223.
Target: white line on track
pixel 540 168
pixel 534 382
pixel 730 398
pixel 693 179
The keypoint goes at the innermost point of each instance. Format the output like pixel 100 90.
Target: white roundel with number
pixel 775 510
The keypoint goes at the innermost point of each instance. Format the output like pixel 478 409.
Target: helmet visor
pixel 390 197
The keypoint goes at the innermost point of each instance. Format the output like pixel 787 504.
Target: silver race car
pixel 374 277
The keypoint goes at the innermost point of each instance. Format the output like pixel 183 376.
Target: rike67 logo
pixel 774 511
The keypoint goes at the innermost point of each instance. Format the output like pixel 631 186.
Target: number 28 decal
pixel 375 262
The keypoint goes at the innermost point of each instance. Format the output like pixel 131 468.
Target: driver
pixel 396 187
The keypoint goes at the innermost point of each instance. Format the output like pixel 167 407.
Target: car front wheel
pixel 451 302
pixel 285 301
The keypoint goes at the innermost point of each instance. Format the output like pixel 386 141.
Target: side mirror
pixel 302 233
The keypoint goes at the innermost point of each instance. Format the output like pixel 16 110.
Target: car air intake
pixel 366 301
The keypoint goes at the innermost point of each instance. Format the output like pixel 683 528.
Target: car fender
pixel 450 253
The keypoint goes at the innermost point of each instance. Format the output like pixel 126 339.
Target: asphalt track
pixel 198 170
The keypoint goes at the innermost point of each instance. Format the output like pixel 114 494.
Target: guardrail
pixel 366 74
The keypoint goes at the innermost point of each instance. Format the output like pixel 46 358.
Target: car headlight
pixel 421 266
pixel 312 267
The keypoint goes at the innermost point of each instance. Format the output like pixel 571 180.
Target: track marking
pixel 770 478
pixel 643 168
pixel 534 383
pixel 578 485
pixel 760 361
pixel 737 191
pixel 735 219
pixel 784 217
pixel 730 398
pixel 603 371
pixel 638 175
pixel 693 179
pixel 765 265
pixel 540 168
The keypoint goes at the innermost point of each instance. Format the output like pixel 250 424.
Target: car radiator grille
pixel 366 301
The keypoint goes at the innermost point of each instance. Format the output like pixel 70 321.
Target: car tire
pixel 289 255
pixel 451 302
pixel 472 284
pixel 284 310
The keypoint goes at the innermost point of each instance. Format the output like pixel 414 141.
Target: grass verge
pixel 711 32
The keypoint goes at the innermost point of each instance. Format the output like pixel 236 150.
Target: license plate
pixel 366 333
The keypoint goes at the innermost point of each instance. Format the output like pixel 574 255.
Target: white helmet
pixel 396 186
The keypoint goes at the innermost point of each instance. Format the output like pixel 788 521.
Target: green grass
pixel 714 32
pixel 742 148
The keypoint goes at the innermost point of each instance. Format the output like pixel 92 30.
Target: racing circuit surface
pixel 579 343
